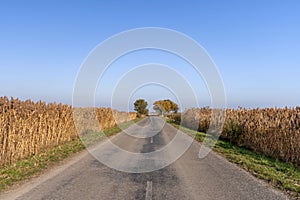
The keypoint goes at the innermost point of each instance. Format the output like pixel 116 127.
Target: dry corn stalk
pixel 28 128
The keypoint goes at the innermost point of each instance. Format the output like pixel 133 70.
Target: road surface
pixel 187 178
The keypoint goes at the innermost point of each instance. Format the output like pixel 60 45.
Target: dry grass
pixel 34 165
pixel 28 128
pixel 275 132
pixel 282 175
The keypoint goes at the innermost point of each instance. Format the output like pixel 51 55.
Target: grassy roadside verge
pixel 281 175
pixel 34 165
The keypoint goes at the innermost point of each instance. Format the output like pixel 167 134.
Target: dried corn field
pixel 28 128
pixel 274 132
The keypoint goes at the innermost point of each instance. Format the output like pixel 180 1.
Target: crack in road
pixel 149 191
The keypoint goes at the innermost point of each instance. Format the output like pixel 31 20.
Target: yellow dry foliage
pixel 275 132
pixel 28 128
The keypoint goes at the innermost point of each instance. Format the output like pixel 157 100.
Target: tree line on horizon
pixel 161 107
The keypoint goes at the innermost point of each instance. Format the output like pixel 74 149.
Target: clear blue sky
pixel 255 44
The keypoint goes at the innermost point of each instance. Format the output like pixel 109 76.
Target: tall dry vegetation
pixel 28 128
pixel 274 132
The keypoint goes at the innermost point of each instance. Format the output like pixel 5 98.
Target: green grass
pixel 34 165
pixel 94 137
pixel 282 175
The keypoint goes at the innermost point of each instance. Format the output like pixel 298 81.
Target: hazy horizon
pixel 255 46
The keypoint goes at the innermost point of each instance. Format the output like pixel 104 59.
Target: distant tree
pixel 140 106
pixel 165 106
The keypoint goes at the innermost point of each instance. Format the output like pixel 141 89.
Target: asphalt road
pixel 189 177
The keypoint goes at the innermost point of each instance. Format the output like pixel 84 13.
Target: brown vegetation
pixel 28 128
pixel 274 132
